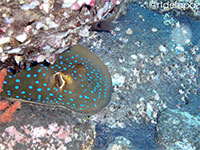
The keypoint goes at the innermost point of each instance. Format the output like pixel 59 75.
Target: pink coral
pixel 8 114
pixel 3 105
pixel 32 136
pixel 3 73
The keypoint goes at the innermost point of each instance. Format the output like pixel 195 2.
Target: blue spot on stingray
pixel 37 82
pixel 35 75
pixel 8 92
pixel 39 89
pixel 29 69
pixel 5 82
pixel 9 76
pixel 17 96
pixel 87 97
pixel 71 99
pixel 16 87
pixel 48 89
pixel 70 92
pixel 80 96
pixel 39 70
pixel 39 96
pixel 55 89
pixel 60 57
pixel 30 87
pixel 23 92
pixel 44 74
pixel 17 80
pixel 44 84
pixel 28 75
pixel 50 94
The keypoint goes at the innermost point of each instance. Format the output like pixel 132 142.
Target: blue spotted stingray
pixel 78 81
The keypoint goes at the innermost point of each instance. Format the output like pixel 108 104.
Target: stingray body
pixel 78 80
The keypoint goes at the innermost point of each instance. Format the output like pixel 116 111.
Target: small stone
pixel 182 58
pixel 162 49
pixel 4 40
pixel 149 110
pixel 2 147
pixel 18 59
pixel 1 49
pixel 117 29
pixel 181 91
pixel 3 57
pixel 129 31
pixel 197 58
pixel 21 2
pixel 41 58
pixel 15 50
pixel 21 38
pixel 141 56
pixel 112 108
pixel 120 143
pixel 138 43
pixel 194 50
pixel 84 32
pixel 180 48
pixel 118 79
pixel 157 60
pixel 154 29
pixel 134 56
pixel 68 3
pixel 45 7
pixel 136 72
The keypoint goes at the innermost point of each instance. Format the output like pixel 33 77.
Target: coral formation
pixel 31 29
pixel 7 115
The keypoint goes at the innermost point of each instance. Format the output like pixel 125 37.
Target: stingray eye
pixel 58 80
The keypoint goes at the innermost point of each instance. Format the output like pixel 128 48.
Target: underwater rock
pixel 176 130
pixel 32 28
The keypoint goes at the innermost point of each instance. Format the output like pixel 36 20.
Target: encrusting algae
pixel 7 115
pixel 78 81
